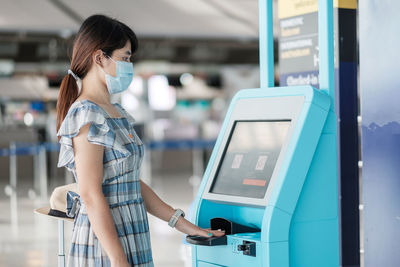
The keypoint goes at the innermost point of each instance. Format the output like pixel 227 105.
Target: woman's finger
pixel 218 232
pixel 209 233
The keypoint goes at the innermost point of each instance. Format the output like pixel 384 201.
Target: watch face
pixel 183 213
pixel 180 212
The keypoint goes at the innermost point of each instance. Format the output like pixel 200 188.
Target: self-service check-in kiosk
pixel 271 182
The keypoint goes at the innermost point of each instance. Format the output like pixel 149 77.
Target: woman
pixel 101 148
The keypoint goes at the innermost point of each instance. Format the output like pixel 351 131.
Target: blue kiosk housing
pixel 271 182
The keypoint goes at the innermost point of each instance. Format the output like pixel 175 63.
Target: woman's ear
pixel 97 57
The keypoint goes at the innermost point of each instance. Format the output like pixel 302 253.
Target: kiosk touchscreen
pixel 269 185
pixel 249 159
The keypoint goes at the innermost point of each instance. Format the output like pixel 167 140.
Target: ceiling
pixel 221 19
pixel 186 31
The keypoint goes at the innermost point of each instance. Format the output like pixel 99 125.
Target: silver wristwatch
pixel 174 219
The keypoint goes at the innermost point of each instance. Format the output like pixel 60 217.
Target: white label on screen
pixel 236 161
pixel 261 163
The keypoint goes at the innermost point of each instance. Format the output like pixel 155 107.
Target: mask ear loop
pixel 77 79
pixel 108 56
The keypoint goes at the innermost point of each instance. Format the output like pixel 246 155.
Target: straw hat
pixel 58 202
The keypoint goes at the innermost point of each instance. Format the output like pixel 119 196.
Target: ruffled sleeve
pixel 100 133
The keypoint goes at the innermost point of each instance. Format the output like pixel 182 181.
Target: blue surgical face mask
pixel 123 79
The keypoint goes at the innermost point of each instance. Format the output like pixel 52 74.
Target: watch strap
pixel 175 217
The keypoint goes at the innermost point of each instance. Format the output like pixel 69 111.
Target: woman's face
pixel 122 54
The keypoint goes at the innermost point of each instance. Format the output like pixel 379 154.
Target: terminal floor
pixel 33 241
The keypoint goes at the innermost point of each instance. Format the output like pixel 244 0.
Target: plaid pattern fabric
pixel 123 154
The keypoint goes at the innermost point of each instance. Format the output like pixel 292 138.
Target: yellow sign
pixel 347 4
pixel 291 8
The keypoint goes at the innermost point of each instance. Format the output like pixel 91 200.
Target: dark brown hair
pixel 96 32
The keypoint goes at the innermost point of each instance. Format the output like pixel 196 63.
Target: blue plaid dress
pixel 123 154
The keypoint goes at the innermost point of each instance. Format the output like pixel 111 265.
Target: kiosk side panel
pixel 314 232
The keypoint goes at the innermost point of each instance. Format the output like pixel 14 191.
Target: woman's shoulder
pixel 80 107
pixel 79 113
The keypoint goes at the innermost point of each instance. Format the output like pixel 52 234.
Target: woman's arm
pixel 89 168
pixel 162 210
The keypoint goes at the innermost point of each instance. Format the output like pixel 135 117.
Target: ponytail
pixel 68 93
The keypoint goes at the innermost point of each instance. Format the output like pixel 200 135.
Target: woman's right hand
pixel 188 228
pixel 209 233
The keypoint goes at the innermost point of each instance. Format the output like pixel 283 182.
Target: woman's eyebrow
pixel 128 53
